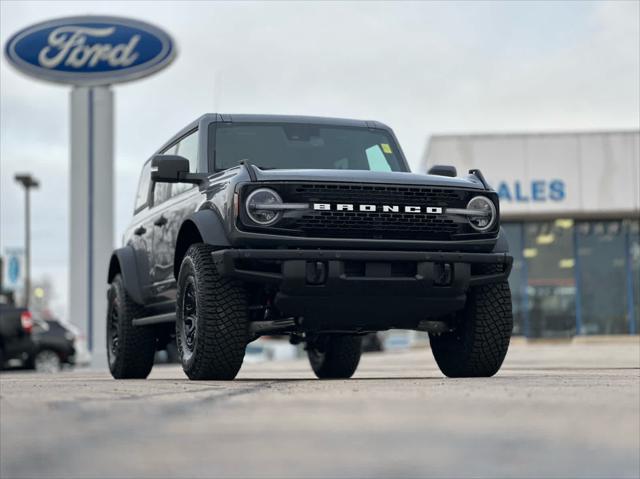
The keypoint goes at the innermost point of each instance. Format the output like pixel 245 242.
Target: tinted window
pixel 305 147
pixel 162 191
pixel 187 148
pixel 143 186
pixel 171 150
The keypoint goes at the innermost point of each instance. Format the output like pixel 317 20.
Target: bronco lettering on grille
pixel 430 210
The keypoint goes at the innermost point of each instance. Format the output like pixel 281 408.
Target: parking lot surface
pixel 554 410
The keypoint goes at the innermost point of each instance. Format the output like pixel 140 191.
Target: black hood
pixel 365 176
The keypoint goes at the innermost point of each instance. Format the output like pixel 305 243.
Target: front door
pixel 162 249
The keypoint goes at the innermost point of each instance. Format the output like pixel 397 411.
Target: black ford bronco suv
pixel 248 225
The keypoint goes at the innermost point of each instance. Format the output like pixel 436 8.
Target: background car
pixel 371 343
pixel 15 333
pixel 53 346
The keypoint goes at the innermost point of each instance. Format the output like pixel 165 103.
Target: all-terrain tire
pixel 211 318
pixel 334 357
pixel 131 351
pixel 478 344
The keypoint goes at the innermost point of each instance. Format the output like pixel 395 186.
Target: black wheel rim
pixel 189 317
pixel 113 337
pixel 316 356
pixel 315 352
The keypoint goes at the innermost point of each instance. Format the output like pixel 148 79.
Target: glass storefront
pixel 633 284
pixel 602 277
pixel 575 277
pixel 518 279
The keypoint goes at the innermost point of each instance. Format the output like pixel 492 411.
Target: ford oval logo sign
pixel 90 50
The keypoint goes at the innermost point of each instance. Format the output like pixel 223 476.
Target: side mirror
pixel 173 169
pixel 443 170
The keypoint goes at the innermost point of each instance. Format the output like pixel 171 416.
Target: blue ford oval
pixel 90 50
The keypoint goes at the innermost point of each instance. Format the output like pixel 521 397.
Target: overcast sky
pixel 422 68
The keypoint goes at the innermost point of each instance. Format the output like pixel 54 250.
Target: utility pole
pixel 28 182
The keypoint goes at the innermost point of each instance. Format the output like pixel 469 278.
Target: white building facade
pixel 570 204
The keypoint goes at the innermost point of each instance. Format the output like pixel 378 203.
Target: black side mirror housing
pixel 443 170
pixel 173 169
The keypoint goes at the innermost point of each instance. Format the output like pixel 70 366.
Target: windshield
pixel 291 146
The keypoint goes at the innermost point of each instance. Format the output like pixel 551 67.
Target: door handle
pixel 160 221
pixel 139 231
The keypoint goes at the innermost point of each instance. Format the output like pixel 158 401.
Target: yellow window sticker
pixel 386 148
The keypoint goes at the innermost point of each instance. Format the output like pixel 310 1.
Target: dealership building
pixel 570 205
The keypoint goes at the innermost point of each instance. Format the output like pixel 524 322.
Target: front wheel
pixel 480 339
pixel 211 320
pixel 334 357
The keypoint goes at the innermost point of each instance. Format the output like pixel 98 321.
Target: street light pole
pixel 28 182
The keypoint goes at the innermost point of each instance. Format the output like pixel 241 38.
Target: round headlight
pixel 258 203
pixel 486 213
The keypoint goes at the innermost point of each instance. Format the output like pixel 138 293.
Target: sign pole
pixel 27 247
pixel 28 182
pixel 91 211
pixel 91 53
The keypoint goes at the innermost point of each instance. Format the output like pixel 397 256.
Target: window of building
pixel 142 197
pixel 581 277
pixel 551 286
pixel 518 277
pixel 633 274
pixel 601 272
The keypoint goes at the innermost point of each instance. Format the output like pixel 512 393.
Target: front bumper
pixel 363 290
pixel 291 268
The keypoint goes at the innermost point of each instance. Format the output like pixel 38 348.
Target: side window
pixel 187 148
pixel 162 191
pixel 143 187
pixel 171 150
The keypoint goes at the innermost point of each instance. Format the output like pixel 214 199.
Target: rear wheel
pixel 212 318
pixel 334 357
pixel 478 344
pixel 130 349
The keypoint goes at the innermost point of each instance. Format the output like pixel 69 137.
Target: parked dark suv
pixel 248 225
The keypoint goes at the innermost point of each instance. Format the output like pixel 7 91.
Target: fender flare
pixel 123 260
pixel 210 227
pixel 205 223
pixel 502 244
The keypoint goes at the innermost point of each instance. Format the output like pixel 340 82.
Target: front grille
pixel 380 194
pixel 343 224
pixel 374 225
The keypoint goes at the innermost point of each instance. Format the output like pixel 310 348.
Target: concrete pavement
pixel 554 410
